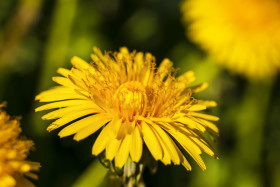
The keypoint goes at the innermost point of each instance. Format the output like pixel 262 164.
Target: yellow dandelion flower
pixel 13 153
pixel 243 35
pixel 135 103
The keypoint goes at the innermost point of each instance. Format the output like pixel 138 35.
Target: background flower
pixel 14 166
pixel 244 36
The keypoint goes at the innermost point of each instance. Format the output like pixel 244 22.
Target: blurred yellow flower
pixel 243 35
pixel 134 102
pixel 13 153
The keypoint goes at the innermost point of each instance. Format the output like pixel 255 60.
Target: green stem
pixel 250 123
pixel 56 53
pixel 93 176
pixel 132 175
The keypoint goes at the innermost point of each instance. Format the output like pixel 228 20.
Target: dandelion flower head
pixel 243 35
pixel 13 153
pixel 134 104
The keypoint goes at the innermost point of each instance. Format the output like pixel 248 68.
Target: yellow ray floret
pixel 13 153
pixel 133 103
pixel 243 35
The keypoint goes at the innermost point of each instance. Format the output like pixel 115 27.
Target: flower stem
pixel 132 175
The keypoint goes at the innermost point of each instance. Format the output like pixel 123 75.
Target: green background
pixel 38 36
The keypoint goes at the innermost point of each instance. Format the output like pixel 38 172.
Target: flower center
pixel 131 99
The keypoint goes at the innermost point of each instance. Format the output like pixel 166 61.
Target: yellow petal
pixel 102 140
pixel 139 59
pixel 197 108
pixel 166 126
pixel 98 52
pixel 185 141
pixel 183 160
pixel 166 159
pixel 182 100
pixel 205 116
pixel 63 81
pixel 124 50
pixel 199 88
pixel 169 144
pixel 79 63
pixel 186 78
pixel 125 128
pixel 164 68
pixel 147 73
pixel 204 141
pixel 61 104
pixel 64 72
pixel 7 180
pixel 207 103
pixel 93 125
pixel 208 124
pixel 92 128
pixel 116 127
pixel 190 123
pixel 69 117
pixel 76 108
pixel 203 145
pixel 112 148
pixel 167 120
pixel 78 82
pixel 136 146
pixel 60 97
pixel 59 93
pixel 78 73
pixel 151 141
pixel 121 132
pixel 55 91
pixel 190 147
pixel 98 60
pixel 123 152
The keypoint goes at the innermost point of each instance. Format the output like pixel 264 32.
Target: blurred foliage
pixel 37 37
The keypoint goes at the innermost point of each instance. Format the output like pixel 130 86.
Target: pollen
pixel 131 100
